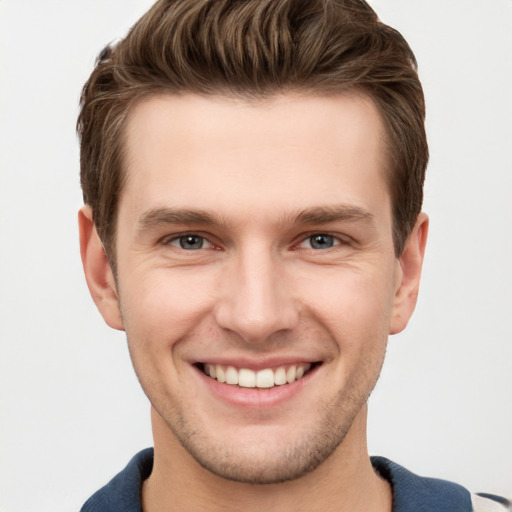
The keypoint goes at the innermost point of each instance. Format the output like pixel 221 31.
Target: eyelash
pixel 336 240
pixel 179 240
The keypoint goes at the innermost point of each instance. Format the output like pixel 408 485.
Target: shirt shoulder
pixel 413 493
pixel 123 492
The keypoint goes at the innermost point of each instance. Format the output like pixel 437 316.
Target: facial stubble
pixel 253 464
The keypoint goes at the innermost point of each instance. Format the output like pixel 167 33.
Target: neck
pixel 345 481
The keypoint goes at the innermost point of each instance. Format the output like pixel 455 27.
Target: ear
pixel 98 273
pixel 411 262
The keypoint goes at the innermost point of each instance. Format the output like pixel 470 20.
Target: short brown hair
pixel 252 49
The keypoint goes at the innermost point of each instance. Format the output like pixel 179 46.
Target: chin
pixel 266 468
pixel 265 455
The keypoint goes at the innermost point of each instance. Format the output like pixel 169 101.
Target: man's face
pixel 255 239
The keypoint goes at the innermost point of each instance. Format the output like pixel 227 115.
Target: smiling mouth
pixel 265 378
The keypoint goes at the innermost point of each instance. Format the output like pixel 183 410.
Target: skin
pixel 253 182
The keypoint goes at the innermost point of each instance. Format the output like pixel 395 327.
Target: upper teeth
pixel 266 378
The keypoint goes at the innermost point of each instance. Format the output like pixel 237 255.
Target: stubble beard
pixel 269 465
pixel 289 460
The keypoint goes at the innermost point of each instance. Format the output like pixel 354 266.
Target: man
pixel 252 175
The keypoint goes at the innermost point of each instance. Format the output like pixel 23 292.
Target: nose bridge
pixel 256 302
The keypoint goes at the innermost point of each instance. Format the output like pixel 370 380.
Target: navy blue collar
pixel 123 492
pixel 411 493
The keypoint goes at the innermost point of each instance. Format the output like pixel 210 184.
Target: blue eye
pixel 321 241
pixel 188 242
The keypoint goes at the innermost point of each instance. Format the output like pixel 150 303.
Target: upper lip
pixel 256 364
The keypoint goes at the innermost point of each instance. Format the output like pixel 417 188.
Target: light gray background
pixel 71 412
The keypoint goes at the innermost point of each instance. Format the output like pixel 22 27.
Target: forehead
pixel 287 151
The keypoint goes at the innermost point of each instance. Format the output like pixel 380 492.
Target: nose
pixel 256 299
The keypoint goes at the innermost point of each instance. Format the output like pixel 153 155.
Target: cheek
pixel 163 306
pixel 355 302
pixel 355 310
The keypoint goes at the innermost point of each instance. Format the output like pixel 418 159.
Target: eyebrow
pixel 314 215
pixel 158 216
pixel 327 214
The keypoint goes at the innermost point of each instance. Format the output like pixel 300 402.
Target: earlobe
pixel 98 272
pixel 411 262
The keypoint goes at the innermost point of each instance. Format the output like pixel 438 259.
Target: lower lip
pixel 255 397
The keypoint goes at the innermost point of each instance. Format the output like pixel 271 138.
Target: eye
pixel 320 241
pixel 190 242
